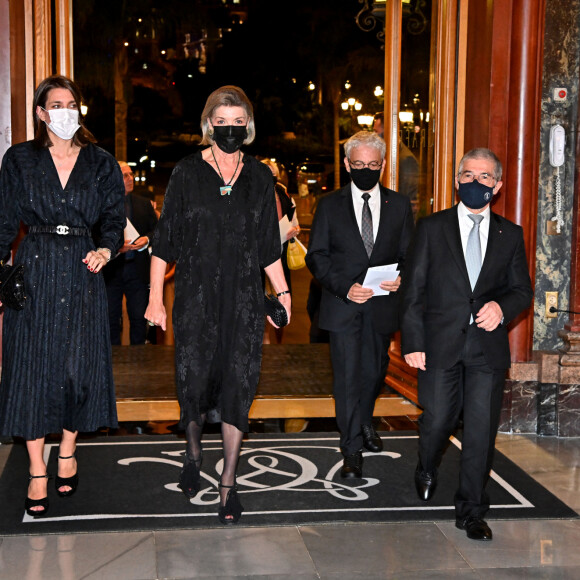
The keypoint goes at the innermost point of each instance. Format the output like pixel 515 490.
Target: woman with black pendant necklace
pixel 219 224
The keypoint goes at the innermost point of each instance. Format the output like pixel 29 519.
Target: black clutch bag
pixel 12 292
pixel 275 310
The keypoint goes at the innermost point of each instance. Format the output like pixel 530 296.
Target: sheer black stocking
pixel 193 437
pixel 189 478
pixel 232 439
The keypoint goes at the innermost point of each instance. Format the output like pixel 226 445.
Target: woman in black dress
pixel 56 357
pixel 219 225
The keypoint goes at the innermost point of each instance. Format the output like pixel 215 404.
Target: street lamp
pixel 352 104
pixel 365 121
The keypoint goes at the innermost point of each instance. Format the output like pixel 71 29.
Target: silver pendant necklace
pixel 227 187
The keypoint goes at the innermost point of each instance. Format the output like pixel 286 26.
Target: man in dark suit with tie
pixel 466 279
pixel 359 226
pixel 128 273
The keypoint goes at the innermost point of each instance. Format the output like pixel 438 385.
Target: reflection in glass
pixel 415 155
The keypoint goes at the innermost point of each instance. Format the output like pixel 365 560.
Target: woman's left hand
pixel 286 301
pixel 95 260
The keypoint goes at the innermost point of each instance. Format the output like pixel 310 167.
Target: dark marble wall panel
pixel 547 415
pixel 520 407
pixel 560 69
pixel 569 411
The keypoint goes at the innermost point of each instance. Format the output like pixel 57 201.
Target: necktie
pixel 367 225
pixel 473 250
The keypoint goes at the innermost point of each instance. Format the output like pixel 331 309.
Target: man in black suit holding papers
pixel 361 226
pixel 128 273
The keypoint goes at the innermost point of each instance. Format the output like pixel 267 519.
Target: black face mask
pixel 475 195
pixel 365 179
pixel 229 138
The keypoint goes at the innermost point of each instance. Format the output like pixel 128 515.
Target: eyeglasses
pixel 468 177
pixel 374 165
pixel 128 174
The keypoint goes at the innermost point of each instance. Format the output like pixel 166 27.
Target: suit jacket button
pixel 463 331
pixel 472 300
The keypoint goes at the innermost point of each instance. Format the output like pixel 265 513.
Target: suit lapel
pixel 382 232
pixel 493 240
pixel 453 238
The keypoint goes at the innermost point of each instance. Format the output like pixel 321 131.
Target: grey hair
pixel 227 96
pixel 368 139
pixel 482 153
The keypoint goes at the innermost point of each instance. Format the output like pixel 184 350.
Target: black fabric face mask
pixel 229 138
pixel 475 195
pixel 365 179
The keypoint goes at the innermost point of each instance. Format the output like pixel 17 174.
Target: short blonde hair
pixel 227 96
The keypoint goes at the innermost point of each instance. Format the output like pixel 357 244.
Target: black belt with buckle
pixel 61 230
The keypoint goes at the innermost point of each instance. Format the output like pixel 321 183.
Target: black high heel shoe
pixel 189 478
pixel 32 503
pixel 231 512
pixel 71 482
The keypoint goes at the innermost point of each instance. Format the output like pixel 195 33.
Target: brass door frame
pixel 445 142
pixel 446 99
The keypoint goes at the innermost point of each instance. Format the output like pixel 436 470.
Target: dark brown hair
pixel 83 136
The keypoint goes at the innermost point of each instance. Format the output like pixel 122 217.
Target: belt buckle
pixel 62 230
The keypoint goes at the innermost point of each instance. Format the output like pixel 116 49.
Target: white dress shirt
pixel 374 204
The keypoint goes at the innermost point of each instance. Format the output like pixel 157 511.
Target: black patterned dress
pixel 56 354
pixel 219 242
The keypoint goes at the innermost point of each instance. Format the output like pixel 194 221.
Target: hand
pixel 156 314
pixel 137 245
pixel 416 360
pixel 489 316
pixel 392 286
pixel 95 261
pixel 292 233
pixel 140 243
pixel 359 294
pixel 286 301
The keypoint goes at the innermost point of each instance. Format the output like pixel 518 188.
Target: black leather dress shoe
pixel 352 466
pixel 371 440
pixel 425 483
pixel 475 527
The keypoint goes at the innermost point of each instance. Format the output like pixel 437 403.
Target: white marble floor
pixel 530 549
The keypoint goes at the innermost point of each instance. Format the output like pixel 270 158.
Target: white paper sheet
pixel 130 232
pixel 379 274
pixel 285 226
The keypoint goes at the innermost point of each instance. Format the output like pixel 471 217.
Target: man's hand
pixel 489 316
pixel 359 294
pixel 391 286
pixel 416 360
pixel 137 245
